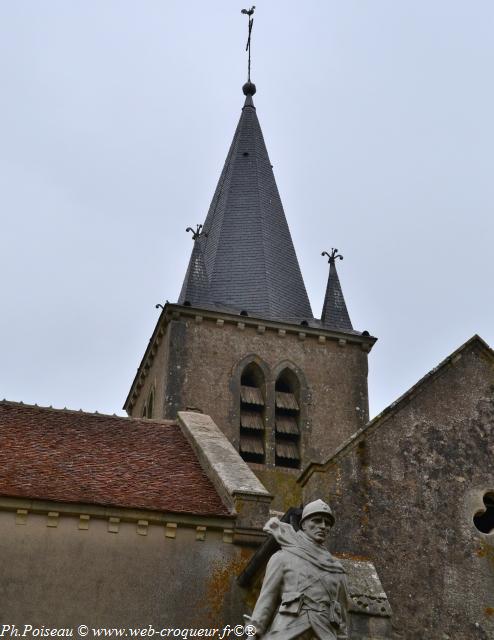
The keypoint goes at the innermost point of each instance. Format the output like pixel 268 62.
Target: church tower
pixel 242 345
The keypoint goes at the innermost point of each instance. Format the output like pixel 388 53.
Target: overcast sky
pixel 115 121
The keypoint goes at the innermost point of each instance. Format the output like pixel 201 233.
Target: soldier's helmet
pixel 317 507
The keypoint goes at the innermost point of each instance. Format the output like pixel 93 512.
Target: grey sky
pixel 116 118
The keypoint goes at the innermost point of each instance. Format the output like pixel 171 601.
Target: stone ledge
pixel 22 507
pixel 235 482
pixel 173 312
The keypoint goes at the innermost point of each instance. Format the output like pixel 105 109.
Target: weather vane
pixel 332 257
pixel 249 12
pixel 198 233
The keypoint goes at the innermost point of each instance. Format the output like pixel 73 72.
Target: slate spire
pixel 245 259
pixel 334 312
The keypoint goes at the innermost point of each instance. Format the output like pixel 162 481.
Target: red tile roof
pixel 71 456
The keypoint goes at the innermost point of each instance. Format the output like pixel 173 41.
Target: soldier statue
pixel 304 594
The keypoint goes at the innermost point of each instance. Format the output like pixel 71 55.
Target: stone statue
pixel 304 594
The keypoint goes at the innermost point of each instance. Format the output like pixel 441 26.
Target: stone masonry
pixel 406 490
pixel 195 360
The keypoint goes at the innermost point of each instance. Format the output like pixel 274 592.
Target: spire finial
pixel 249 88
pixel 198 233
pixel 334 255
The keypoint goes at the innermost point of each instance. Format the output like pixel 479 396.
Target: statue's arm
pixel 344 600
pixel 270 595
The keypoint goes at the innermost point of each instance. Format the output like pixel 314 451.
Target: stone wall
pixel 118 574
pixel 405 492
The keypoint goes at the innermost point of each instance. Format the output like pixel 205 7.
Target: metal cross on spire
pixel 249 12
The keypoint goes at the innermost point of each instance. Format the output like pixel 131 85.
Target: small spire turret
pixel 334 312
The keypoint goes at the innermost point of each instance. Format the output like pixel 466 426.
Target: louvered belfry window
pixel 252 411
pixel 287 421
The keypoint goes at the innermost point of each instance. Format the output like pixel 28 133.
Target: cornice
pixel 220 318
pixel 106 513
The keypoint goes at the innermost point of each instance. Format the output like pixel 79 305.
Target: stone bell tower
pixel 242 345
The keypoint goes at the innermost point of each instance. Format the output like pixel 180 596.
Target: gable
pixel 410 489
pixel 465 374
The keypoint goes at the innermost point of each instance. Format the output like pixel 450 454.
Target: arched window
pixel 252 414
pixel 287 420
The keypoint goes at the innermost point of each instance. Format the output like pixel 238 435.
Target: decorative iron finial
pixel 249 12
pixel 198 233
pixel 334 255
pixel 159 306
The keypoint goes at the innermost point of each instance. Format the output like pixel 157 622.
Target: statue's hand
pixel 251 628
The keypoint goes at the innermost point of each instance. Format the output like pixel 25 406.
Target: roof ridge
pixel 95 414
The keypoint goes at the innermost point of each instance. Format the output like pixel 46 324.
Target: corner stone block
pixel 201 533
pixel 21 516
pixel 142 527
pixel 52 519
pixel 113 525
pixel 253 511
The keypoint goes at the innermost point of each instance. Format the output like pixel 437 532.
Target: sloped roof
pixel 76 457
pixel 334 312
pixel 475 342
pixel 246 248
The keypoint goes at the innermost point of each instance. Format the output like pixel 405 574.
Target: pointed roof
pixel 245 259
pixel 334 312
